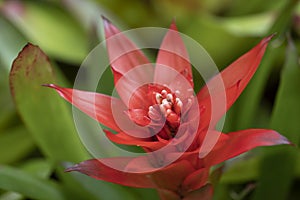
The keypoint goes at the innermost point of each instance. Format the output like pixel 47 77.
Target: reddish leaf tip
pixel 72 168
pixel 268 38
pixel 57 88
pixel 29 44
pixel 173 25
pixel 284 140
pixel 49 85
pixel 53 86
pixel 106 21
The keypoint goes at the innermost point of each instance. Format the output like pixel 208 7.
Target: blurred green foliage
pixel 37 134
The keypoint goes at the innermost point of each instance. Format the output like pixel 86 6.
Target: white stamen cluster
pixel 169 106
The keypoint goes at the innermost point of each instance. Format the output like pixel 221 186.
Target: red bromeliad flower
pixel 166 118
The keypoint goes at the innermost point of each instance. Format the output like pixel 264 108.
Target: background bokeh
pixel 37 134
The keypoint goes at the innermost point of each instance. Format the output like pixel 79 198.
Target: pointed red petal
pixel 98 106
pixel 134 94
pixel 172 54
pixel 125 57
pixel 123 138
pixel 123 54
pixel 98 170
pixel 214 106
pixel 236 76
pixel 236 143
pixel 139 174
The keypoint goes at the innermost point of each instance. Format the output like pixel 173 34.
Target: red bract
pixel 161 114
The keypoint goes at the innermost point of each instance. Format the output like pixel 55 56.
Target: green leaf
pixel 285 18
pixel 245 110
pixel 50 27
pixel 88 14
pixel 218 41
pixel 13 179
pixel 7 112
pixel 297 171
pixel 11 42
pixel 16 143
pixel 42 110
pixel 241 171
pixel 286 112
pixel 276 172
pixel 11 196
pixel 285 119
pixel 246 107
pixel 38 167
pixel 222 192
pixel 238 7
pixel 252 25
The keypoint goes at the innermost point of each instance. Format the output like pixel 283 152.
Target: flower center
pixel 169 107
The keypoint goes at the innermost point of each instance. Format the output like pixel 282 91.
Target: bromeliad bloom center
pixel 160 111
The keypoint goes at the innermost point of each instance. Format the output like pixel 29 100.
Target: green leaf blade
pixel 286 112
pixel 44 113
pixel 13 179
pixel 49 26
